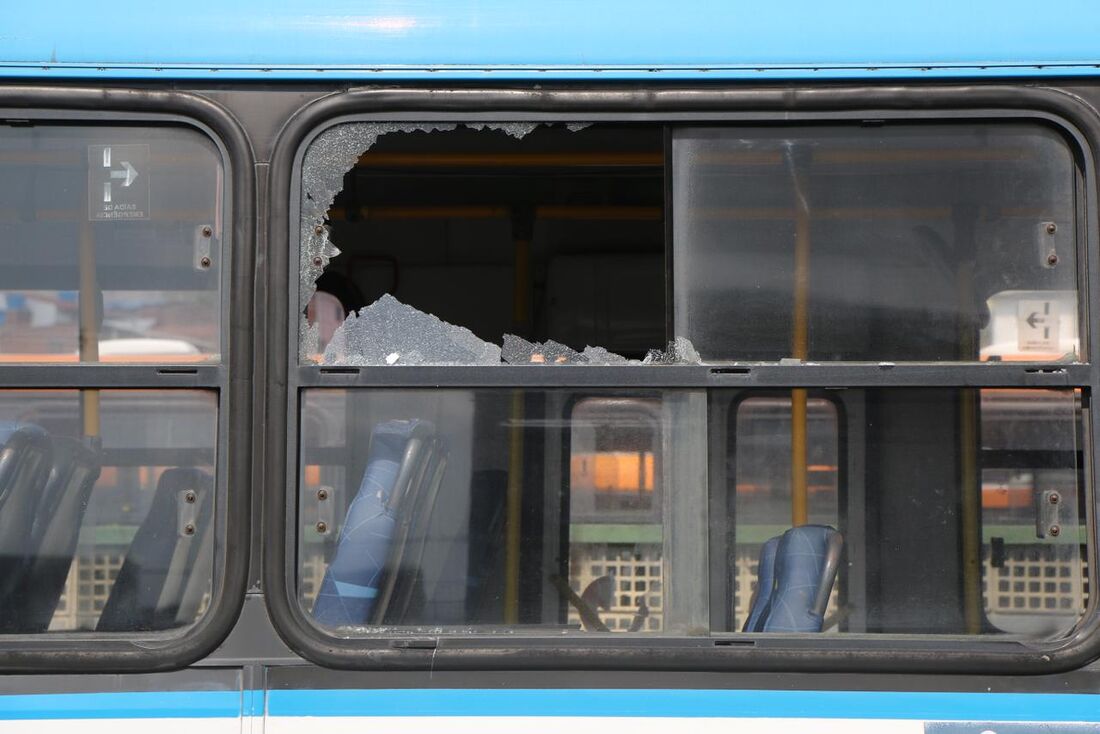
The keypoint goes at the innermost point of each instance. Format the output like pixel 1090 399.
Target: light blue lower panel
pixel 929 707
pixel 1007 707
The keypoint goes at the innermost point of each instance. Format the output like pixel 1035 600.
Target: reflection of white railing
pixel 86 590
pixel 637 577
pixel 1032 581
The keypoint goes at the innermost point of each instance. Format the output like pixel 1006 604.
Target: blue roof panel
pixel 566 38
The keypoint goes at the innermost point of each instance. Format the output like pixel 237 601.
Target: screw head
pixel 1055 531
pixel 189 496
pixel 189 529
pixel 322 494
pixel 1052 259
pixel 1053 498
pixel 318 230
pixel 1052 228
pixel 207 231
pixel 322 527
pixel 318 261
pixel 205 261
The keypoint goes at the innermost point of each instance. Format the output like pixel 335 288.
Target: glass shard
pixel 388 332
pixel 680 351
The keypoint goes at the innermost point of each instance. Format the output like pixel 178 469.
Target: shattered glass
pixel 601 356
pixel 330 156
pixel 518 350
pixel 388 332
pixel 680 351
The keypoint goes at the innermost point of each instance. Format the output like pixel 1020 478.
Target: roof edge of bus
pixel 773 72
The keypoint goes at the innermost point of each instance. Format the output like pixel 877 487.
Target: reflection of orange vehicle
pixel 613 471
pixel 1003 495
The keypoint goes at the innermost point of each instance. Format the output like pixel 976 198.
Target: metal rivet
pixel 189 496
pixel 1055 530
pixel 207 231
pixel 322 527
pixel 322 494
pixel 1052 228
pixel 1052 259
pixel 1053 498
pixel 189 529
pixel 318 261
pixel 318 230
pixel 205 261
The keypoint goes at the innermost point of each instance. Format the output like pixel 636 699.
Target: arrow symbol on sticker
pixel 1034 319
pixel 129 174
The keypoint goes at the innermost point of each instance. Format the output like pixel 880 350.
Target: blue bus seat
pixel 26 453
pixel 765 583
pixel 795 580
pixel 401 580
pixel 360 580
pixel 151 587
pixel 56 530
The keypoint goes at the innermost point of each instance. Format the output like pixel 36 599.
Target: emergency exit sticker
pixel 1037 326
pixel 118 182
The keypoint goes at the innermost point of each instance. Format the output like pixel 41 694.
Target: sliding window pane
pixel 111 242
pixel 889 242
pixel 468 510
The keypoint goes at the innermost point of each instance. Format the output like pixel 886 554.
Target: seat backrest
pixel 401 582
pixel 55 533
pixel 806 563
pixel 25 457
pixel 164 556
pixel 765 585
pixel 359 575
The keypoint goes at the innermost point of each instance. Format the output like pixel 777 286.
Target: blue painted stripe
pixel 132 705
pixel 655 73
pixel 1007 707
pixel 987 707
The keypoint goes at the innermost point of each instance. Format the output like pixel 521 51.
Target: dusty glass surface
pixel 889 242
pixel 465 510
pixel 111 242
pixel 106 509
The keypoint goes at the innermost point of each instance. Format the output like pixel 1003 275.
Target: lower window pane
pixel 475 509
pixel 886 511
pixel 106 509
pixel 955 511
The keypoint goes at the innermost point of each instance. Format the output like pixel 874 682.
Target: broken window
pixel 565 504
pixel 446 244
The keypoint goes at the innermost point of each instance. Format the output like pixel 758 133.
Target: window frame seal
pixel 668 106
pixel 230 379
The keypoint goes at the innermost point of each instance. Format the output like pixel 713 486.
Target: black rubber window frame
pixel 137 651
pixel 668 106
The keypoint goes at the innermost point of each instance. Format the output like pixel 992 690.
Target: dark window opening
pixel 556 235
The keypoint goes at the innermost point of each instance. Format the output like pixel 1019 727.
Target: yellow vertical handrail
pixel 969 436
pixel 514 496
